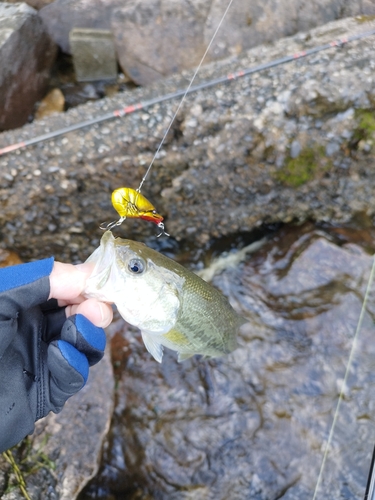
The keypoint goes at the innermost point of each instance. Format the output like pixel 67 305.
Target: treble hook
pixel 111 225
pixel 161 226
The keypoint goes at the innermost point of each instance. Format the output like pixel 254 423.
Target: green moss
pixel 310 163
pixel 364 19
pixel 365 129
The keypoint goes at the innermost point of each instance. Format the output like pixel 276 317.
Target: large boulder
pixel 26 56
pixel 292 143
pixel 156 38
pixel 62 16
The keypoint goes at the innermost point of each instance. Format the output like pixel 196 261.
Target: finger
pixel 67 281
pixel 69 370
pixel 99 313
pixel 89 339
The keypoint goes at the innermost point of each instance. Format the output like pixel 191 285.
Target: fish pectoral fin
pixel 153 347
pixel 184 355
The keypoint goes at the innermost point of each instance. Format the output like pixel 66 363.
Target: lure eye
pixel 136 266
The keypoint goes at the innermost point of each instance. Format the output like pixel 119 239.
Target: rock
pixel 36 4
pixel 295 149
pixel 254 424
pixel 155 38
pixel 26 56
pixel 224 138
pixel 9 258
pixel 53 102
pixel 94 55
pixel 62 16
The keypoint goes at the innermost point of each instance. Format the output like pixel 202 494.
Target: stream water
pixel 254 424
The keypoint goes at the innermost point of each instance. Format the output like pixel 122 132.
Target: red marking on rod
pixel 129 109
pixel 241 73
pixel 344 40
pixel 231 76
pixel 132 108
pixel 8 149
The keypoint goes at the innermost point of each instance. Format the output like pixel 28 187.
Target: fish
pixel 171 305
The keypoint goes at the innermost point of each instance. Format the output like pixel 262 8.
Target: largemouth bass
pixel 171 305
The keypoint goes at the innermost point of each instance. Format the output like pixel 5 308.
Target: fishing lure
pixel 130 203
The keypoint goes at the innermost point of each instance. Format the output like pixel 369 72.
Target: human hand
pixel 44 356
pixel 67 283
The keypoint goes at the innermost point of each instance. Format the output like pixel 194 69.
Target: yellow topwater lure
pixel 130 203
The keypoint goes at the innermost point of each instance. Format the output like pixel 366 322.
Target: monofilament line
pixel 348 367
pixel 183 97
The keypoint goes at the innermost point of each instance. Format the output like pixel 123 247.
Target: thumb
pixel 68 281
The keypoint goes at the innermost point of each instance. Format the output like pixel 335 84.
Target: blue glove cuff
pixel 24 274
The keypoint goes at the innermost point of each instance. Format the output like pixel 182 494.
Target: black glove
pixel 44 357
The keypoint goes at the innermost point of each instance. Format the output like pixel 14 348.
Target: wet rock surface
pixel 254 424
pixel 225 166
pixel 26 56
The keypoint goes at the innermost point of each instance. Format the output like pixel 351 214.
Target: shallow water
pixel 253 425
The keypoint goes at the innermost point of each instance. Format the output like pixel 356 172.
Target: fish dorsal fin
pixel 153 347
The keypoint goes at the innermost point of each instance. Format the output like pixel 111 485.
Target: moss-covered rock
pixel 308 165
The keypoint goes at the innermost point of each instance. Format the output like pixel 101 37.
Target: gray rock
pixel 254 424
pixel 62 16
pixel 295 149
pixel 94 55
pixel 36 4
pixel 155 38
pixel 26 56
pixel 332 148
pixel 223 138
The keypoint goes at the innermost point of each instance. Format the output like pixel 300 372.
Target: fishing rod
pixel 119 113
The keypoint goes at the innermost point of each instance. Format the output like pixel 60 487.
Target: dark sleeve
pixel 22 289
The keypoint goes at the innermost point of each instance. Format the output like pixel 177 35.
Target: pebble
pixel 332 148
pixel 295 149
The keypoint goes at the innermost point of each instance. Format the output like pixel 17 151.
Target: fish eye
pixel 136 266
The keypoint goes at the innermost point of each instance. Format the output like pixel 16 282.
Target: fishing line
pixel 348 367
pixel 184 95
pixel 127 197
